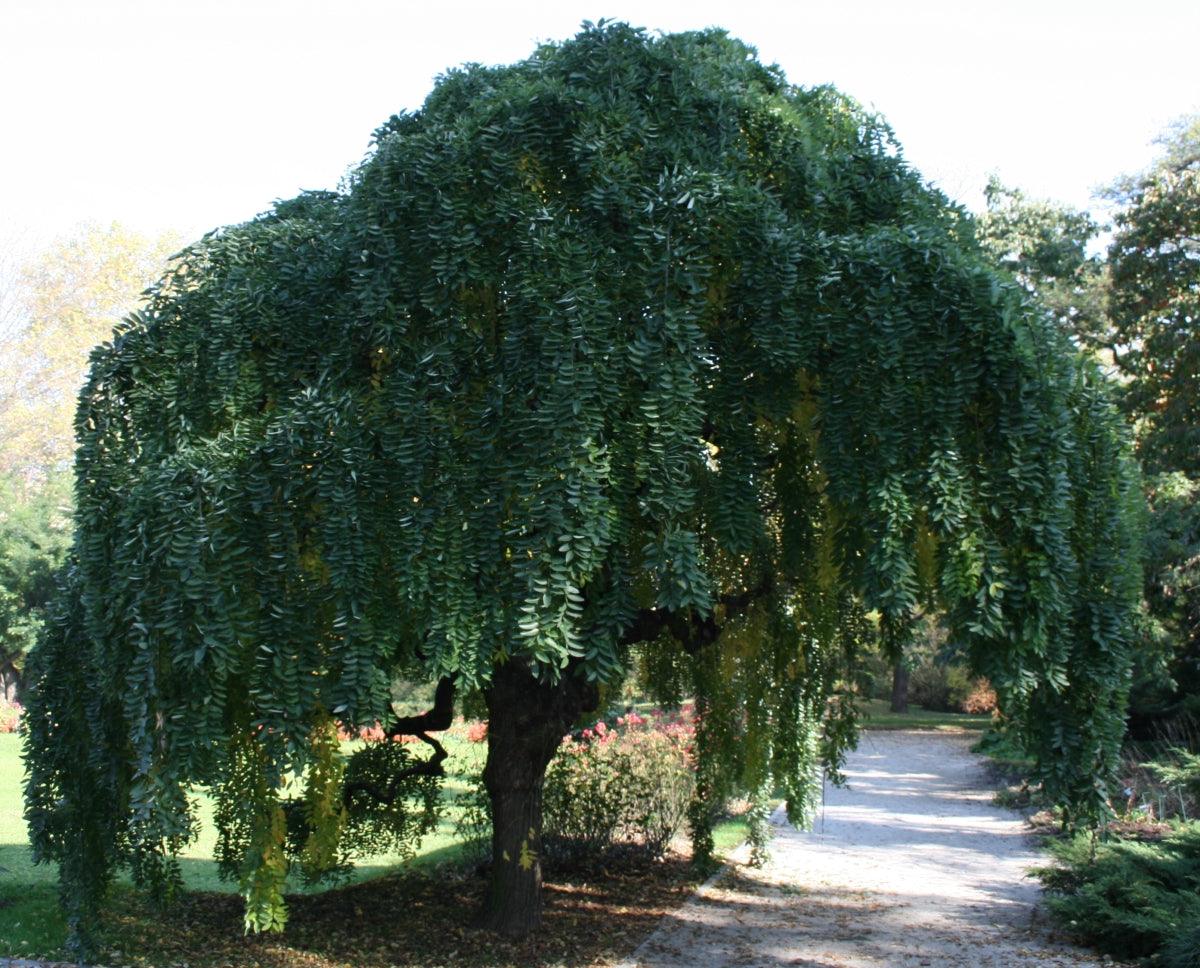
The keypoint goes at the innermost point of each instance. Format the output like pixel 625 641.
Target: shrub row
pixel 949 688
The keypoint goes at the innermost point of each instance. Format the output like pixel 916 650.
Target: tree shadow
pixel 746 922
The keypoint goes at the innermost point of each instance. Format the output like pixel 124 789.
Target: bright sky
pixel 187 115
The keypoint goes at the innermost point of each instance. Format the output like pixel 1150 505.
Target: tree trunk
pixel 900 687
pixel 10 682
pixel 526 723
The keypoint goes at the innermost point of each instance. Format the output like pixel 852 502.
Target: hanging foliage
pixel 628 343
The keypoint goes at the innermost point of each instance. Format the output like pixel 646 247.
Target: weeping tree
pixel 630 344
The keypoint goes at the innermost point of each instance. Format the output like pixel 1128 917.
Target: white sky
pixel 187 115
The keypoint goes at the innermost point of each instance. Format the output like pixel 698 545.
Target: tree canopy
pixel 1155 309
pixel 1155 259
pixel 628 344
pixel 1137 310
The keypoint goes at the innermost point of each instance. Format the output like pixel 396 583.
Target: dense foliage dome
pixel 630 343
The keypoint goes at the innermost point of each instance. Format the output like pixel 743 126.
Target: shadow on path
pixel 910 864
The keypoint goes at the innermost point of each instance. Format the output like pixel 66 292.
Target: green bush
pixel 927 686
pixel 939 687
pixel 875 676
pixel 1182 770
pixel 1133 899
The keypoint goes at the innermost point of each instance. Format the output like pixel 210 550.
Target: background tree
pixel 1155 260
pixel 1045 246
pixel 35 532
pixel 57 305
pixel 1137 308
pixel 1167 683
pixel 14 314
pixel 1155 307
pixel 628 343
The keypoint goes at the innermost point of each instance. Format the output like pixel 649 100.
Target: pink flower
pixel 10 717
pixel 601 728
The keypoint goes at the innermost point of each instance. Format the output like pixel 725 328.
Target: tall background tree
pixel 1155 261
pixel 1137 307
pixel 35 533
pixel 1045 245
pixel 56 303
pixel 62 301
pixel 1155 306
pixel 630 343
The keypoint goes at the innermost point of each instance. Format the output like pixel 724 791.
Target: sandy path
pixel 911 864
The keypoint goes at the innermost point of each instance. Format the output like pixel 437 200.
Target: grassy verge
pixel 31 924
pixel 729 835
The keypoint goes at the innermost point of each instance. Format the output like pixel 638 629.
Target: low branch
pixel 430 767
pixel 691 630
pixel 438 718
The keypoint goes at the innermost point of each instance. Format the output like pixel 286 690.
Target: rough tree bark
pixel 10 682
pixel 526 723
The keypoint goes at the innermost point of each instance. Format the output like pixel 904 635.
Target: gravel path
pixel 909 865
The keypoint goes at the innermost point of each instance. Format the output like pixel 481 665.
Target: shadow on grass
pixel 419 914
pixel 419 917
pixel 32 925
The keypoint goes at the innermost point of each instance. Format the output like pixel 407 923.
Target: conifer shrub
pixel 1133 899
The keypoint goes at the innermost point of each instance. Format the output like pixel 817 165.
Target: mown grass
pixel 31 924
pixel 878 715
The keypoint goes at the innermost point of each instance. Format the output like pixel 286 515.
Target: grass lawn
pixel 30 921
pixel 355 925
pixel 877 715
